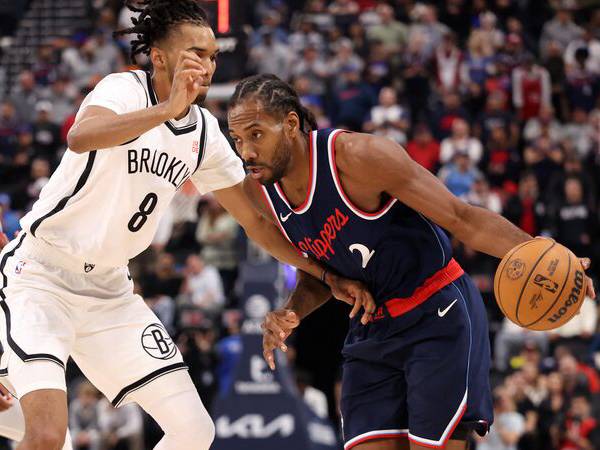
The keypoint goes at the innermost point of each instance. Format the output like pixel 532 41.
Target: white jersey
pixel 104 206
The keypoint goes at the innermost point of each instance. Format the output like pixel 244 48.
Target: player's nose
pixel 248 154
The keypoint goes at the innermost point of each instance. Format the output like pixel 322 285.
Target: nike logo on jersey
pixel 175 171
pixel 364 251
pixel 284 218
pixel 443 312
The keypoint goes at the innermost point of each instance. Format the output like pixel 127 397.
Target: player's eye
pixel 257 135
pixel 213 58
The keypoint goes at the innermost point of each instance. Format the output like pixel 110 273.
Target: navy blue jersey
pixel 393 250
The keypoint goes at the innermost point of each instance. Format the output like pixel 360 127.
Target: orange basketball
pixel 540 284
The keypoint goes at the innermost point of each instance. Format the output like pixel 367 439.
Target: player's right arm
pixel 98 127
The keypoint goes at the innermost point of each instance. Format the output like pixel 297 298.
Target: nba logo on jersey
pixel 19 267
pixel 195 145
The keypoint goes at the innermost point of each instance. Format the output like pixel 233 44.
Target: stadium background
pixel 499 98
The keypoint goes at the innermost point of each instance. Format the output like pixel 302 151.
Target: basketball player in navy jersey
pixel 362 207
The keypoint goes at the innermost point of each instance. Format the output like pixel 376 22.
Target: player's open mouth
pixel 256 172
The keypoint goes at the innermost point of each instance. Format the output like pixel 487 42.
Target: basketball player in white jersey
pixel 64 285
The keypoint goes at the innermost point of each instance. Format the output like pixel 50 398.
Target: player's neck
pixel 162 89
pixel 296 182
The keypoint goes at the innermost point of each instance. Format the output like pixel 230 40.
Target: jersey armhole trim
pixel 310 193
pixel 338 184
pixel 63 202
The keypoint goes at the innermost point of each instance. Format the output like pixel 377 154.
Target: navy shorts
pixel 419 375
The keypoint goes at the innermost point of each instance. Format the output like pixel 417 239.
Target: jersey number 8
pixel 138 220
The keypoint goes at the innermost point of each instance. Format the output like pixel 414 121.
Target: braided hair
pixel 275 96
pixel 156 19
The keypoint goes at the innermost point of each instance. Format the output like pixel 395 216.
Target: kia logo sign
pixel 253 426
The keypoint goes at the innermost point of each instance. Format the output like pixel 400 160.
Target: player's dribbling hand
pixel 354 293
pixel 188 80
pixel 6 400
pixel 277 327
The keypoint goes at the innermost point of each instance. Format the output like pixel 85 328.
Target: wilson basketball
pixel 540 284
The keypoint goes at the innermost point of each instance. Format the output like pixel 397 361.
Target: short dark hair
pixel 156 19
pixel 276 97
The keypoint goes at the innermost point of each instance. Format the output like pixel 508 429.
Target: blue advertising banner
pixel 261 409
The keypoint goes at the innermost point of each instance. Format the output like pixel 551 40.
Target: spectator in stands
pixel 9 126
pixel 589 42
pixel 479 60
pixel 217 233
pixel 496 115
pixel 459 174
pixel 444 116
pixel 388 118
pixel 84 419
pixel 197 345
pixel 25 96
pixel 481 195
pixel 583 86
pixel 460 141
pixel 525 209
pixel 40 175
pixel 392 33
pixel 510 339
pixel 344 56
pixel 427 28
pixel 84 63
pixel 46 134
pixel 163 280
pixel 448 61
pixel 306 36
pixel 531 88
pixel 424 149
pixel 353 100
pixel 345 12
pixel 57 93
pixel 543 124
pixel 203 286
pixel 561 29
pixel 313 67
pixel 121 428
pixel 576 224
pixel 162 305
pixel 580 430
pixel 45 67
pixel 579 132
pixel 270 56
pixel 508 425
pixel 501 161
pixel 9 219
pixel 229 349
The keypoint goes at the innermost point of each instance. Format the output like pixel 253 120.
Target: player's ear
pixel 291 123
pixel 158 58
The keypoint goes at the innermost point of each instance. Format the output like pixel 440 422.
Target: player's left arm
pixel 402 178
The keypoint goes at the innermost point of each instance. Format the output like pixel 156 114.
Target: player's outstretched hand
pixel 589 288
pixel 277 327
pixel 354 293
pixel 187 82
pixel 6 400
pixel 3 240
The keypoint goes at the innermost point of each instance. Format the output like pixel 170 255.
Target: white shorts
pixel 53 307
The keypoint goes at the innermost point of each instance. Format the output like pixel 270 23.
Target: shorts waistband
pixel 47 253
pixel 442 278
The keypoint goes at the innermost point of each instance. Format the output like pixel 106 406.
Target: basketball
pixel 540 284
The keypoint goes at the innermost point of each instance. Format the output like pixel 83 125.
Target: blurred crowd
pixel 498 98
